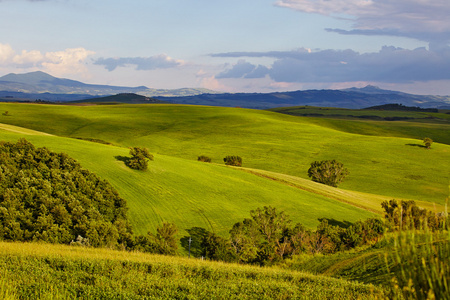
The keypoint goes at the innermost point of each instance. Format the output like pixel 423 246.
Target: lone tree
pixel 427 141
pixel 139 159
pixel 329 172
pixel 232 160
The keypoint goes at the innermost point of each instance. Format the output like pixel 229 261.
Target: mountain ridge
pixel 40 85
pixel 40 82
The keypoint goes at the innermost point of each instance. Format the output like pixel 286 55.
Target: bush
pixel 329 172
pixel 232 160
pixel 204 158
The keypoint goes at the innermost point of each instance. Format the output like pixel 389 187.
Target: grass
pixel 379 164
pixel 191 193
pixel 64 272
pixel 371 122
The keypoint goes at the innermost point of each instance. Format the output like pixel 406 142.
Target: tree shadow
pixel 124 159
pixel 334 222
pixel 196 234
pixel 416 145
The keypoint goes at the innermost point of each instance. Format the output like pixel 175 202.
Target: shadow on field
pixel 125 159
pixel 416 145
pixel 196 234
pixel 334 222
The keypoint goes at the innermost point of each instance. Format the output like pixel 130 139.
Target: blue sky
pixel 234 45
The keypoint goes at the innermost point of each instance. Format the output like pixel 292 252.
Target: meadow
pixel 39 271
pixel 378 164
pixel 386 161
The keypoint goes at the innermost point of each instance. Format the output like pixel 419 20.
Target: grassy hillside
pixel 393 167
pixel 191 193
pixel 407 124
pixel 32 271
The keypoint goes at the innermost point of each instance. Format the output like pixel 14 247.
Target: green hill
pixel 385 165
pixel 190 193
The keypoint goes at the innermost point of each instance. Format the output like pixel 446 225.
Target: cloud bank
pixel 161 61
pixel 389 65
pixel 425 20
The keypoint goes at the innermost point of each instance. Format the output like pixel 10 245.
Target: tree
pixel 232 160
pixel 427 141
pixel 139 159
pixel 329 172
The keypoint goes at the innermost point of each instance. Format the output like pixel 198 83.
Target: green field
pixel 191 193
pixel 177 188
pixel 39 271
pixel 385 165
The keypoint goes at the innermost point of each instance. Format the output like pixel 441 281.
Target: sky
pixel 233 45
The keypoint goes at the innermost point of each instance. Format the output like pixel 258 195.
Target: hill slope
pixel 32 271
pixel 191 193
pixel 394 167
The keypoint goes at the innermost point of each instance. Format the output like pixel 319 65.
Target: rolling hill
pixel 277 148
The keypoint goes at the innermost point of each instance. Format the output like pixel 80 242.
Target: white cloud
pixel 6 53
pixel 68 61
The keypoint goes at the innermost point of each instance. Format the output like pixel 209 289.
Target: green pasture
pixel 190 193
pixel 361 121
pixel 384 165
pixel 39 271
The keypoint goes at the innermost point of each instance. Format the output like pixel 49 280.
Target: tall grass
pixel 423 260
pixel 39 271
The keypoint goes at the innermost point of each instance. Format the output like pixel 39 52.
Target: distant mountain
pixel 350 98
pixel 128 98
pixel 39 83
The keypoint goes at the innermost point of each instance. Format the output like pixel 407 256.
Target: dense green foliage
pixel 233 160
pixel 329 172
pixel 269 236
pixel 47 196
pixel 163 242
pixel 63 272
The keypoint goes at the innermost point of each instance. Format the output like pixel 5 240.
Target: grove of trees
pixel 47 196
pixel 329 172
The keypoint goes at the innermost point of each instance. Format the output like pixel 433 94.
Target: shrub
pixel 329 172
pixel 204 158
pixel 232 160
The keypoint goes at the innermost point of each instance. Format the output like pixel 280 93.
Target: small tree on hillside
pixel 329 172
pixel 139 159
pixel 427 141
pixel 232 160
